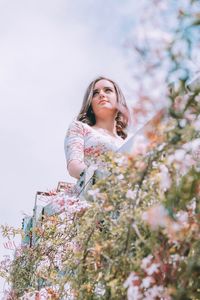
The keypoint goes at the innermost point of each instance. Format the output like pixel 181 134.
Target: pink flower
pixel 156 216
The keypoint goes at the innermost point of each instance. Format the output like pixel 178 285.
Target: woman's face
pixel 104 99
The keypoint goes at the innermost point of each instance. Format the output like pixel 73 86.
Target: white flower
pixel 175 227
pixel 192 145
pixel 182 123
pixel 165 180
pixel 68 291
pixel 93 193
pixel 133 293
pixel 192 205
pixel 146 282
pixel 175 257
pixel 146 261
pixel 152 269
pixel 42 295
pixel 58 260
pixel 179 154
pixel 170 159
pixel 182 216
pixel 196 124
pixel 181 159
pixel 197 98
pixel 131 194
pixel 29 296
pixel 121 160
pixel 156 216
pixel 189 115
pixel 129 281
pixel 155 164
pixel 120 177
pixel 61 228
pixel 99 289
pixel 43 265
pixel 140 145
pixel 196 149
pixel 153 293
pixel 161 146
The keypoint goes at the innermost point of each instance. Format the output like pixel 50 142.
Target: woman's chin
pixel 106 111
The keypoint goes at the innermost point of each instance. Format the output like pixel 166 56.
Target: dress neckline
pixel 105 133
pixel 116 139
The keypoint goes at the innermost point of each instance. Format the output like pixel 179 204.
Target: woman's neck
pixel 107 125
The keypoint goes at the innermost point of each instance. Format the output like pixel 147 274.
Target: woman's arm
pixel 74 149
pixel 75 168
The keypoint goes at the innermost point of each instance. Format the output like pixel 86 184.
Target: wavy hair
pixel 86 114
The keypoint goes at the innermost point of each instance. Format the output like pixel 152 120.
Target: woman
pixel 100 127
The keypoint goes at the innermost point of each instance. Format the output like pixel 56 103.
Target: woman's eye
pixel 106 90
pixel 95 93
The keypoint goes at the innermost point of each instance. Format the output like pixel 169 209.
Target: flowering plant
pixel 137 235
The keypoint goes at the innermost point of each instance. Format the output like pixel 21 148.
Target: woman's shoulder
pixel 78 126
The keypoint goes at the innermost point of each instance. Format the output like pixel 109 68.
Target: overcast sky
pixel 50 50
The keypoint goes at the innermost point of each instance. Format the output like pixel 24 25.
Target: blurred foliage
pixel 163 49
pixel 139 236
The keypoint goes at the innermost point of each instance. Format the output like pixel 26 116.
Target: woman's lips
pixel 102 101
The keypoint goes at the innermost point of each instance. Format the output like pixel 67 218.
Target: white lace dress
pixel 86 144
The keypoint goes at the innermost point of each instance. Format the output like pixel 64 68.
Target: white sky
pixel 49 53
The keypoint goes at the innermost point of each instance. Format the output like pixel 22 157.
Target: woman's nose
pixel 101 93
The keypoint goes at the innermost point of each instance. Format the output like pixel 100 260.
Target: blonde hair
pixel 86 114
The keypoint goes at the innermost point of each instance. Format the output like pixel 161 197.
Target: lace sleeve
pixel 74 142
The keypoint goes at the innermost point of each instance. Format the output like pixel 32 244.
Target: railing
pixel 42 207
